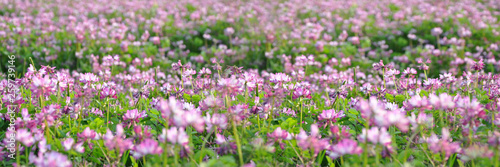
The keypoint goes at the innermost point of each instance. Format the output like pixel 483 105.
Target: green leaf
pixel 389 97
pixel 400 98
pixel 203 153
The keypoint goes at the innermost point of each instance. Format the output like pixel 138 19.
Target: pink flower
pixel 25 137
pixel 443 145
pixel 145 35
pixel 376 136
pixel 312 141
pixel 50 159
pixel 146 147
pixel 280 134
pixel 68 143
pixel 436 31
pixel 330 115
pixel 88 78
pixel 289 112
pixel 301 92
pixel 79 147
pixel 476 151
pixel 344 147
pixel 279 78
pixel 156 40
pixel 117 141
pixel 49 114
pixel 42 85
pixel 108 92
pixel 216 120
pixel 225 147
pixel 176 136
pixel 479 65
pixel 134 115
pixel 229 31
pixel 443 102
pixel 87 134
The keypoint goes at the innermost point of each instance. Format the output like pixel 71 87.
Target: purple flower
pixel 330 115
pixel 344 147
pixel 133 115
pixel 229 31
pixel 175 136
pixel 476 151
pixel 25 137
pixel 376 136
pixel 280 134
pixel 50 159
pixel 87 134
pixel 42 85
pixel 68 143
pixel 156 40
pixel 479 65
pixel 216 120
pixel 118 141
pixel 108 92
pixel 146 147
pixel 443 145
pixel 436 31
pixel 88 78
pixel 301 92
pixel 279 78
pixel 313 141
pixel 225 147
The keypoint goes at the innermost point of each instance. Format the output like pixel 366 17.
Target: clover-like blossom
pixel 344 147
pixel 216 120
pixel 42 85
pixel 443 145
pixel 25 137
pixel 50 159
pixel 301 92
pixel 436 31
pixel 49 114
pixel 87 134
pixel 146 147
pixel 108 92
pixel 279 134
pixel 279 78
pixel 117 141
pixel 225 147
pixel 134 115
pixel 68 143
pixel 376 136
pixel 330 115
pixel 442 102
pixel 175 136
pixel 476 151
pixel 312 141
pixel 88 78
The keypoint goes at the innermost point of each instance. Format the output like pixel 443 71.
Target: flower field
pixel 249 83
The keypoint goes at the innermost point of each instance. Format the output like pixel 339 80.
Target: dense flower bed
pixel 249 83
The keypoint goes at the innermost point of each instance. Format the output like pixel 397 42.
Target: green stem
pixel 383 75
pixel 204 143
pixel 341 160
pixel 300 101
pixel 175 157
pixel 496 157
pixel 298 155
pixel 18 156
pixel 107 113
pixel 238 143
pixel 377 160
